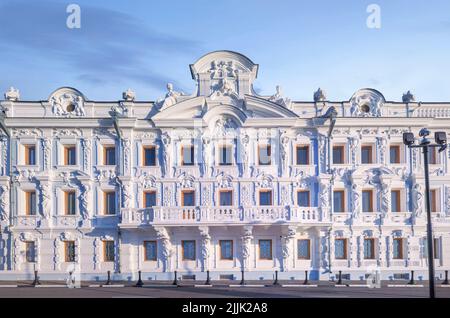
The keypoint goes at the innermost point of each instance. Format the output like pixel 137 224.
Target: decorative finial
pixel 408 97
pixel 319 95
pixel 129 95
pixel 12 94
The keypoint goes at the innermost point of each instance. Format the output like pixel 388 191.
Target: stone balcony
pixel 227 215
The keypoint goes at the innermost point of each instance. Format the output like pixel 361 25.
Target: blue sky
pixel 299 45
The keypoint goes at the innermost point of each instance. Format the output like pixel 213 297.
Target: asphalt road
pixel 221 292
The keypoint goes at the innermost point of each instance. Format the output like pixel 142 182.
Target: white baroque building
pixel 222 180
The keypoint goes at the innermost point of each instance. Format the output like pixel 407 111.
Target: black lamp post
pixel 441 142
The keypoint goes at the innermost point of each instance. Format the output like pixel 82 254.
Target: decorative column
pixel 353 143
pixel 324 249
pixel 47 153
pixel 166 247
pixel 322 141
pixel 247 239
pixel 382 145
pixel 205 246
pixel 4 202
pixel 286 247
pixel 87 147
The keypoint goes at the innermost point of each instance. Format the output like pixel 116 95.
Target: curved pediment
pixel 257 107
pixel 187 109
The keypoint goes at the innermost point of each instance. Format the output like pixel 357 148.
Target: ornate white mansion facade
pixel 222 180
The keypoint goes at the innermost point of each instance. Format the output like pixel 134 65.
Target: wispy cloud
pixel 109 45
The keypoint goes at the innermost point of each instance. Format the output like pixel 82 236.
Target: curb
pixel 297 285
pixel 405 286
pixel 249 285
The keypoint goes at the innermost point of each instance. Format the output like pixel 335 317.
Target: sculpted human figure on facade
pixel 418 199
pixel 47 148
pixel 324 198
pixel 356 201
pixel 127 191
pixel 245 139
pixel 166 246
pixel 84 199
pixel 166 141
pixel 278 98
pixel 4 202
pixel 46 202
pixel 79 106
pixel 284 143
pixel 205 245
pixel 170 98
pixel 206 155
pixel 286 249
pixel 319 95
pixel 385 189
pixel 247 238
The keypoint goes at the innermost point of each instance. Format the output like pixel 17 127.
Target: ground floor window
pixel 188 250
pixel 150 250
pixel 303 249
pixel 108 251
pixel 265 249
pixel 69 251
pixel 369 248
pixel 397 248
pixel 226 249
pixel 30 251
pixel 340 248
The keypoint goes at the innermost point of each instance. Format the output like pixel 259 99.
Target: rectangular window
pixel 109 156
pixel 150 250
pixel 436 248
pixel 264 153
pixel 30 204
pixel 303 155
pixel 109 203
pixel 30 251
pixel 340 248
pixel 395 201
pixel 70 157
pixel 265 249
pixel 108 251
pixel 30 154
pixel 434 200
pixel 70 202
pixel 397 248
pixel 225 155
pixel 394 152
pixel 303 198
pixel 369 248
pixel 226 198
pixel 367 201
pixel 149 156
pixel 338 154
pixel 226 250
pixel 339 200
pixel 69 251
pixel 188 250
pixel 187 153
pixel 432 157
pixel 366 154
pixel 303 249
pixel 149 199
pixel 265 197
pixel 188 197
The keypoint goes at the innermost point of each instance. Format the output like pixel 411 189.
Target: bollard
pixel 306 278
pixel 339 282
pixel 208 282
pixel 411 281
pixel 139 283
pixel 175 280
pixel 242 279
pixel 36 279
pixel 275 282
pixel 445 282
pixel 108 281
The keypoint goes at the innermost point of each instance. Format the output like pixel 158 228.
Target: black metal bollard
pixel 275 282
pixel 411 281
pixel 208 282
pixel 339 282
pixel 36 279
pixel 175 280
pixel 445 282
pixel 242 278
pixel 108 281
pixel 139 283
pixel 306 278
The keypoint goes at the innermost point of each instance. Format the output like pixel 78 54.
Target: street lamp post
pixel 425 144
